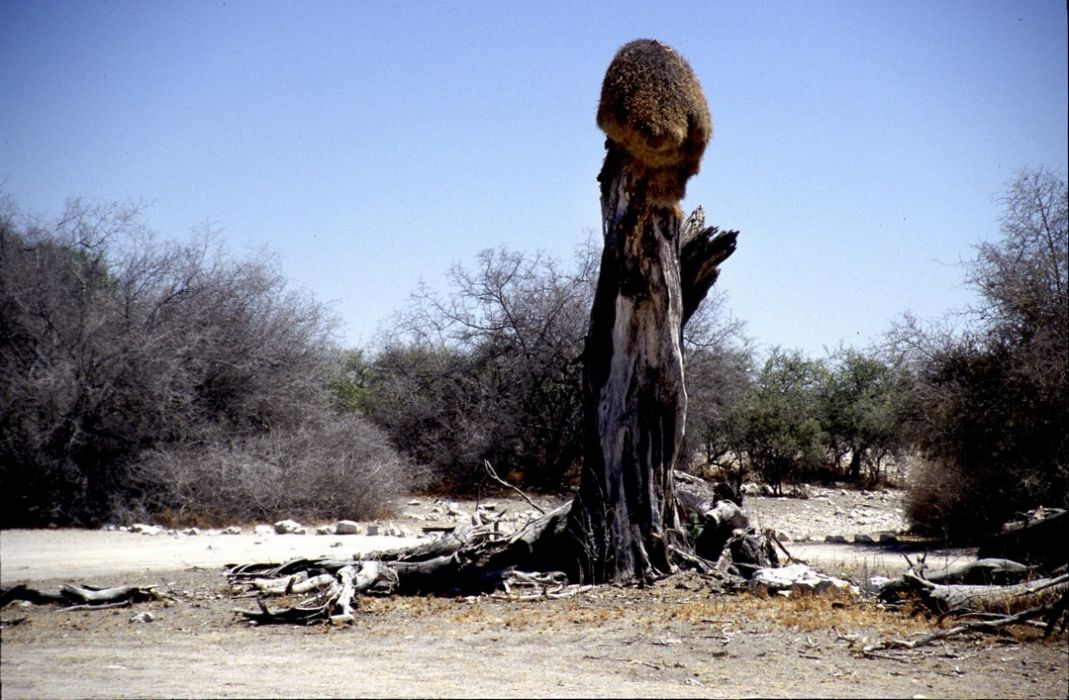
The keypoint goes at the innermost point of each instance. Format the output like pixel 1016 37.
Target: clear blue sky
pixel 858 146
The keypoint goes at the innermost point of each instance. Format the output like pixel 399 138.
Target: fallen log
pixel 956 599
pixel 987 572
pixel 71 595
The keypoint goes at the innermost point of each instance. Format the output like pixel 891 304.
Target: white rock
pixel 796 577
pixel 191 531
pixel 289 527
pixel 232 530
pixel 146 529
pixel 263 530
pixel 347 527
pixel 876 584
pixel 143 617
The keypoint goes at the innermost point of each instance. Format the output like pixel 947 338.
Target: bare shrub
pixel 490 371
pixel 936 499
pixel 991 402
pixel 115 345
pixel 344 468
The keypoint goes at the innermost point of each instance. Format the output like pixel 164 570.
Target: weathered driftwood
pixel 82 596
pixel 987 572
pixel 719 524
pixel 956 599
pixel 994 572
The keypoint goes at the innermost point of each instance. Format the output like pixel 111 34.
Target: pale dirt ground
pixel 674 639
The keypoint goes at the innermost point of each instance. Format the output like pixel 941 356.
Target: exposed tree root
pixel 538 561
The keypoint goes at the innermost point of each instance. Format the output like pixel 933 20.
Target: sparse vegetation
pixel 149 377
pixel 140 376
pixel 990 403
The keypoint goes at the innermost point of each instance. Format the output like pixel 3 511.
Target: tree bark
pixel 624 520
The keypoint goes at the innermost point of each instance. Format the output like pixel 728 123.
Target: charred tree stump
pixel 654 273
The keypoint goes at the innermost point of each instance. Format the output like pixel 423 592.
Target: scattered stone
pixel 264 530
pixel 347 527
pixel 863 539
pixel 232 530
pixel 143 617
pixel 414 502
pixel 835 539
pixel 146 529
pixel 289 527
pixel 796 577
pixel 325 530
pixel 191 531
pixel 373 529
pixel 876 584
pixel 888 538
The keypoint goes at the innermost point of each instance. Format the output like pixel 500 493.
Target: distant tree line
pixel 145 378
pixel 491 371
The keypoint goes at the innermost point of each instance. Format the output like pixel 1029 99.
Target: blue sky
pixel 859 146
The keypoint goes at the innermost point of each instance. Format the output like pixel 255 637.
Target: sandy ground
pixel 674 639
pixel 39 555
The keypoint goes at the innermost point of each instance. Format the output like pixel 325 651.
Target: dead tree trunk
pixel 624 524
pixel 634 403
pixel 652 278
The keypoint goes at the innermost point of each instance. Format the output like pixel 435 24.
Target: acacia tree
pixel 862 404
pixel 781 421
